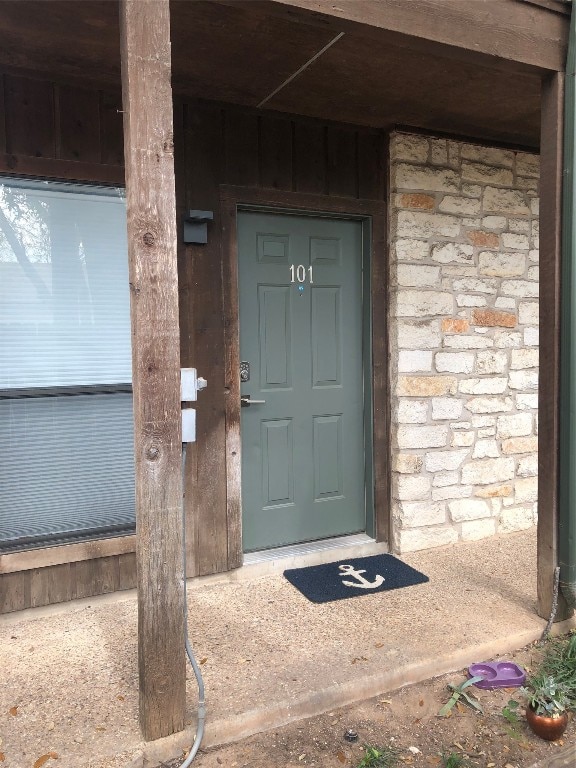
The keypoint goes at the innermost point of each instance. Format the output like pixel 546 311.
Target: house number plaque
pixel 299 273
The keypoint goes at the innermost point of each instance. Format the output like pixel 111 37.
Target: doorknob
pixel 246 402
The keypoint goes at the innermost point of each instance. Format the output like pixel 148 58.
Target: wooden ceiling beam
pixel 508 34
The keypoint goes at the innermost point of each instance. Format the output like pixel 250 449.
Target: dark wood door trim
pixel 231 199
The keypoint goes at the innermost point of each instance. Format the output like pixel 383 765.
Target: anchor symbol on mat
pixel 362 583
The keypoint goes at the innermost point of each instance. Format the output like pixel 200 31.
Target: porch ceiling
pixel 241 53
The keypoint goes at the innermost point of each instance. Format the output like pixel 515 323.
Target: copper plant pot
pixel 549 728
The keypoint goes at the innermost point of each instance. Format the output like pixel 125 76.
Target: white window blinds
pixel 66 434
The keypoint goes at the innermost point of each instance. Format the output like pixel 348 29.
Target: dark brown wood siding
pixel 70 132
pixel 60 131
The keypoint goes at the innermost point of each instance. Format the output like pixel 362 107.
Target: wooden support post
pixel 152 240
pixel 549 390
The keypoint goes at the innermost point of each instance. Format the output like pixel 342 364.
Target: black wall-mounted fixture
pixel 196 227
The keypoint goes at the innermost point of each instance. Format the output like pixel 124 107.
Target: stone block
pixel 450 253
pixel 420 303
pixel 484 386
pixel 474 530
pixel 438 152
pixel 455 325
pixel 495 491
pixel 489 404
pixel 410 361
pixel 528 313
pixel 443 479
pixel 411 487
pixel 490 318
pixel 417 514
pixel 475 285
pixel 526 401
pixel 467 300
pixel 412 540
pixel 535 206
pixel 519 225
pixel 416 200
pixel 483 421
pixel 416 275
pixel 446 408
pixel 487 432
pixel 472 190
pixel 454 362
pixel 409 147
pixel 514 445
pixel 452 492
pixel 411 250
pixel 439 461
pixel 513 425
pixel 487 471
pixel 534 273
pixel 422 437
pixel 407 176
pixel 524 380
pixel 515 519
pixel 491 361
pixel 515 240
pixel 487 155
pixel 524 289
pixel 494 264
pixel 505 302
pixel 462 439
pixel 454 154
pixel 418 334
pixel 486 174
pixel 528 165
pixel 418 224
pixel 493 222
pixel 507 339
pixel 468 509
pixel 526 489
pixel 485 449
pixel 407 463
pixel 412 411
pixel 468 342
pixel 534 255
pixel 505 201
pixel 524 358
pixel 531 337
pixel 462 206
pixel 528 466
pixel 459 270
pixel 425 386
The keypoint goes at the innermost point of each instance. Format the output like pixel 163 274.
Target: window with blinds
pixel 66 429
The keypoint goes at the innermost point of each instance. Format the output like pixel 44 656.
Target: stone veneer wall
pixel 464 340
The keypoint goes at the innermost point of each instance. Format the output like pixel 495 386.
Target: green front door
pixel 300 281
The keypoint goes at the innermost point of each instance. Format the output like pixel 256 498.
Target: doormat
pixel 354 577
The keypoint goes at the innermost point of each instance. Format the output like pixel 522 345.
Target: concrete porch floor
pixel 268 655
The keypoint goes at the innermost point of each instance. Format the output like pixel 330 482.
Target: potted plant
pixel 546 706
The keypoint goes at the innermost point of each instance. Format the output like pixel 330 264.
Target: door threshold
pixel 270 562
pixel 307 548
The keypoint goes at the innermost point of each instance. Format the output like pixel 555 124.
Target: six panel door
pixel 300 283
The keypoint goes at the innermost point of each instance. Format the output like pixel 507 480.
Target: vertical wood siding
pixel 71 132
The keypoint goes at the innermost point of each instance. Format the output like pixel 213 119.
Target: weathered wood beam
pixel 152 242
pixel 522 34
pixel 549 387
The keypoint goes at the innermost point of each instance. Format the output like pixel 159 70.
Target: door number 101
pixel 299 272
